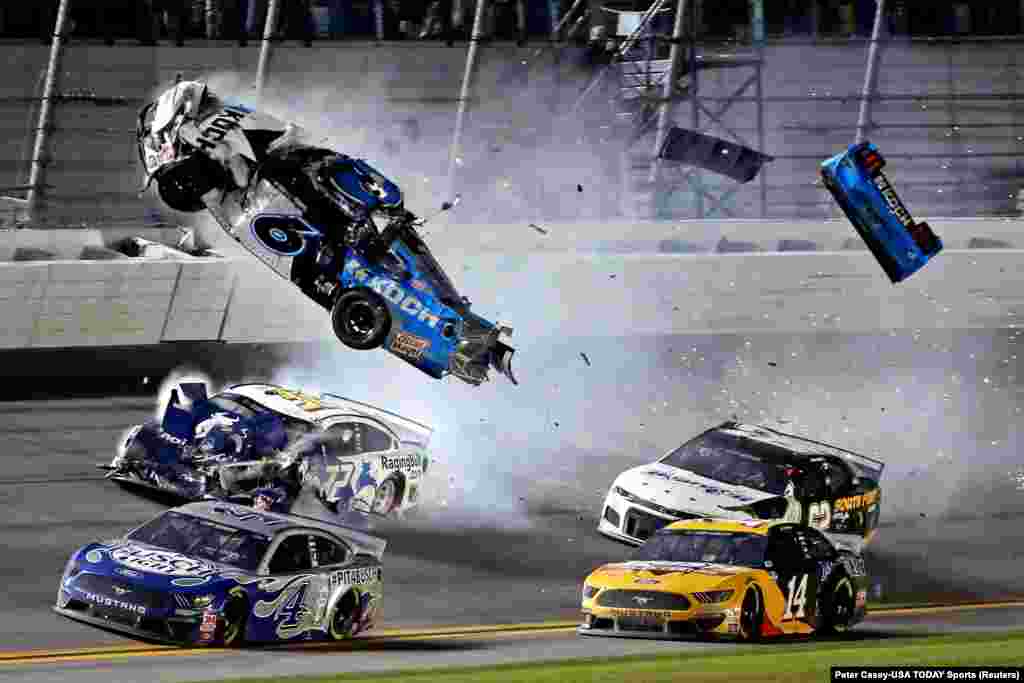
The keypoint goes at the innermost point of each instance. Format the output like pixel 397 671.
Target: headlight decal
pixel 713 597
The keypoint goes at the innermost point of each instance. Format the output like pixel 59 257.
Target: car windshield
pixel 743 550
pixel 202 538
pixel 727 459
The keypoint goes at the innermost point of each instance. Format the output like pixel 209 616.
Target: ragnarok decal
pixel 409 345
pixel 162 562
pixel 402 462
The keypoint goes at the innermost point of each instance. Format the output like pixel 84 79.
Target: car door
pixel 788 560
pixel 354 462
pixel 349 586
pixel 282 605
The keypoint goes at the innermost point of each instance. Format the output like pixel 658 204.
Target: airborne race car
pixel 311 215
pixel 716 577
pixel 251 437
pixel 741 471
pixel 216 573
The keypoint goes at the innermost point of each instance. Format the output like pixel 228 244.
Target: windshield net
pixel 202 538
pixel 743 550
pixel 726 459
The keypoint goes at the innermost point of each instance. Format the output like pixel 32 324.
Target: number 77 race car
pixel 216 573
pixel 716 577
pixel 868 199
pixel 311 215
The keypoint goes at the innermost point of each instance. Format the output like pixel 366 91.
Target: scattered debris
pixel 538 228
pixel 556 423
pixel 579 188
pixel 773 364
pixel 612 276
pixel 585 359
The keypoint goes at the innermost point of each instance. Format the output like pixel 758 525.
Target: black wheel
pixel 343 616
pixel 385 499
pixel 361 319
pixel 838 608
pixel 182 185
pixel 236 613
pixel 751 616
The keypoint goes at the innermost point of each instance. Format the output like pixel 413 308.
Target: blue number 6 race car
pixel 218 573
pixel 868 199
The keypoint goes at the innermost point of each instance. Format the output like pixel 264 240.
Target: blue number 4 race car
pixel 217 573
pixel 868 199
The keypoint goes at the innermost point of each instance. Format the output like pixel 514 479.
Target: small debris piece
pixel 585 359
pixel 611 277
pixel 773 364
pixel 579 188
pixel 538 228
pixel 556 423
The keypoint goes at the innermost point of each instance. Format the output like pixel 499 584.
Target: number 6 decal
pixel 796 598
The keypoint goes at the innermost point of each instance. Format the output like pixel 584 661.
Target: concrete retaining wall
pixel 573 281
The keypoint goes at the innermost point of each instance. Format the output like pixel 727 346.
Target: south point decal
pixel 162 562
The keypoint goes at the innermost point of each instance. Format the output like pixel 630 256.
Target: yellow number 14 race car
pixel 714 577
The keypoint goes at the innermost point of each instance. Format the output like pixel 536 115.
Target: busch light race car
pixel 217 573
pixel 868 199
pixel 744 472
pixel 264 439
pixel 331 224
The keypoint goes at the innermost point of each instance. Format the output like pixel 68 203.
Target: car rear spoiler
pixel 865 466
pixel 409 431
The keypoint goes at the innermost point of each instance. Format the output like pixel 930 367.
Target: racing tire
pixel 341 617
pixel 385 504
pixel 182 185
pixel 361 319
pixel 751 616
pixel 838 608
pixel 236 612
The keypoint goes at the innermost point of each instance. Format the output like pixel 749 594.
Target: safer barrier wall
pixel 573 283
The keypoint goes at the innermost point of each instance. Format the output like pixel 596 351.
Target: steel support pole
pixel 38 173
pixel 668 90
pixel 757 21
pixel 870 74
pixel 464 93
pixel 273 7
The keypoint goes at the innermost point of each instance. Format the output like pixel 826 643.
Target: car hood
pixel 671 576
pixel 685 491
pixel 153 567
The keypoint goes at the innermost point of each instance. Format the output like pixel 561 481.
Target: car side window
pixel 818 547
pixel 344 439
pixel 376 440
pixel 292 555
pixel 327 551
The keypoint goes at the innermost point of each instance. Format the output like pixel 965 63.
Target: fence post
pixel 668 92
pixel 864 118
pixel 268 35
pixel 467 84
pixel 38 174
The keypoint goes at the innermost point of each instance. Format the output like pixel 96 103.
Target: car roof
pixel 803 447
pixel 272 523
pixel 759 527
pixel 313 408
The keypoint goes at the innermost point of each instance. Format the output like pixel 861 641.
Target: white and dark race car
pixel 740 471
pixel 330 224
pixel 260 441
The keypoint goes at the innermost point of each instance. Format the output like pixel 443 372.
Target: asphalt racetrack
pixel 444 568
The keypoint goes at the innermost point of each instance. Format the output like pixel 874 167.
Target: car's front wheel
pixel 236 613
pixel 838 608
pixel 181 185
pixel 361 319
pixel 751 616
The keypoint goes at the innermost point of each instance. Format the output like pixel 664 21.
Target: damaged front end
pixel 480 349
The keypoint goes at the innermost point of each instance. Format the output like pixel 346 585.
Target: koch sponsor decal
pixel 356 576
pixel 104 601
pixel 856 502
pixel 220 126
pixel 162 562
pixel 898 210
pixel 389 289
pixel 409 345
pixel 401 462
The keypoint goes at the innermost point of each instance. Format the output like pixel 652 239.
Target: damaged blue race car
pixel 222 574
pixel 331 224
pixel 900 245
